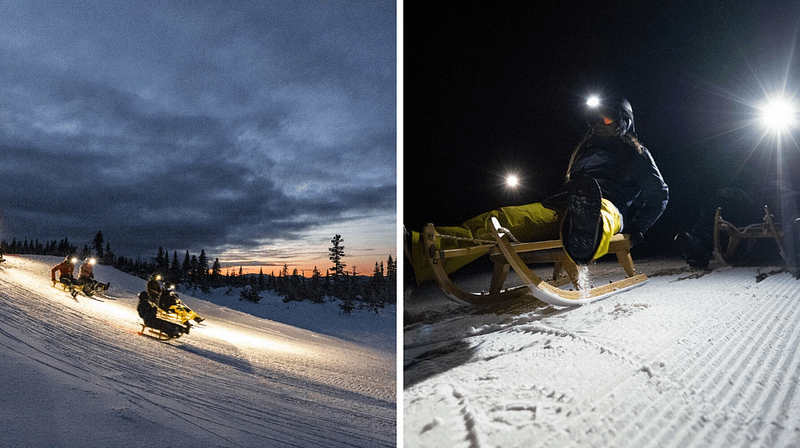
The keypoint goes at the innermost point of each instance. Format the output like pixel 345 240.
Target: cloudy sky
pixel 256 130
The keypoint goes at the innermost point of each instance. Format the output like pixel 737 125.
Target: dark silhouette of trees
pixel 354 290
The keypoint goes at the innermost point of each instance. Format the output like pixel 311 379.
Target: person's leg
pixel 611 224
pixel 531 222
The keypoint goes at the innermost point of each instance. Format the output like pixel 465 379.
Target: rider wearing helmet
pixel 153 287
pixel 85 274
pixel 65 270
pixel 612 185
pixel 626 175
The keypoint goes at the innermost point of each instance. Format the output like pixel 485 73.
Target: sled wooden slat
pixel 549 293
pixel 766 229
pixel 437 256
pixel 518 256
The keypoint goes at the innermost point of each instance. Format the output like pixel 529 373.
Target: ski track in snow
pixel 686 360
pixel 232 383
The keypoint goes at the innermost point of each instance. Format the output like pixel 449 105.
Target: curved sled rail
pixel 549 293
pixel 436 257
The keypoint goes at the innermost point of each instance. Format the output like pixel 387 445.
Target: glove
pixel 636 238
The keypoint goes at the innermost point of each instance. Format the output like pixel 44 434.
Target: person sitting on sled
pixel 65 270
pixel 86 278
pixel 149 314
pixel 612 185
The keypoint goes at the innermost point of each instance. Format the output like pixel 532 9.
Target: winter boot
pixel 581 228
pixel 691 250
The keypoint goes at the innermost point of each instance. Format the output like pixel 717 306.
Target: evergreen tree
pixel 97 242
pixel 391 280
pixel 159 260
pixel 216 269
pixel 338 273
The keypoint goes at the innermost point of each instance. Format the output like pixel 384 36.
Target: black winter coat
pixel 627 177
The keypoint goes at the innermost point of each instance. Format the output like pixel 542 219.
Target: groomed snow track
pixel 694 358
pixel 76 373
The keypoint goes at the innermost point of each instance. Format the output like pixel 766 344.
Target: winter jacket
pixel 627 177
pixel 153 289
pixel 65 268
pixel 86 270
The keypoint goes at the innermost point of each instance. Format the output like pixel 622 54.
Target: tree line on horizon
pixel 198 272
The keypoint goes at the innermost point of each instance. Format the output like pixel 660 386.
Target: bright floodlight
pixel 593 101
pixel 512 180
pixel 779 115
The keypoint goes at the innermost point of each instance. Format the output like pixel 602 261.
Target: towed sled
pixel 506 253
pixel 155 333
pixel 88 289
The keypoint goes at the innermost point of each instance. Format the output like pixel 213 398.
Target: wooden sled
pixel 154 333
pixel 506 255
pixel 736 235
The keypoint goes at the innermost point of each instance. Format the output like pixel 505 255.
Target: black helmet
pixel 614 107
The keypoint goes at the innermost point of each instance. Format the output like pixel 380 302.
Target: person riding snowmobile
pixel 154 287
pixel 149 314
pixel 612 185
pixel 169 302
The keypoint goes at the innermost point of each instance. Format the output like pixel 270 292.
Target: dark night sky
pixel 489 89
pixel 255 130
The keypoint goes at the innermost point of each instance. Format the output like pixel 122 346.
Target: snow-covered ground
pixel 692 358
pixel 76 373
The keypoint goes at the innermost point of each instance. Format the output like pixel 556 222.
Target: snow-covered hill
pixel 693 358
pixel 75 373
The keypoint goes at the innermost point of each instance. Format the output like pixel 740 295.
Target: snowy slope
pixel 76 373
pixel 692 358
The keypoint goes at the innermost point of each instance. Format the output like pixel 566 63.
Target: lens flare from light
pixel 778 115
pixel 512 181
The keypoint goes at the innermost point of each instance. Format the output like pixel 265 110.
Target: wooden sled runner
pixel 736 235
pixel 506 255
pixel 154 333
